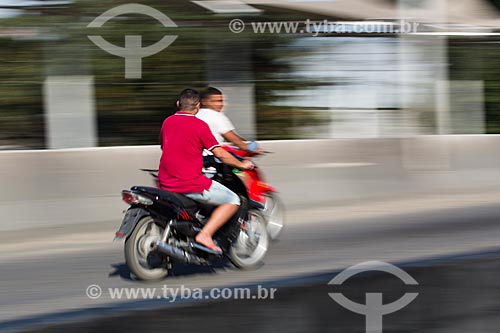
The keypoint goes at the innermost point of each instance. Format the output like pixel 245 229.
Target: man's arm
pixel 229 159
pixel 235 139
pixel 225 127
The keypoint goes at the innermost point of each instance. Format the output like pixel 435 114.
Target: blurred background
pixel 59 90
pixel 386 148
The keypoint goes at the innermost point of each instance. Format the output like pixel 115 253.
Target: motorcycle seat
pixel 177 199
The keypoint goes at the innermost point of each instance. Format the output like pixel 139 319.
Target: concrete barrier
pixel 60 187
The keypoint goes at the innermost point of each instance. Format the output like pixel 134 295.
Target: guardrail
pixel 60 187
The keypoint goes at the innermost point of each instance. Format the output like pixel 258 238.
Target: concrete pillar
pixel 424 77
pixel 229 68
pixel 70 120
pixel 467 107
pixel 442 73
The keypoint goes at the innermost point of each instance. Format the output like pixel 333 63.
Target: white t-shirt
pixel 218 122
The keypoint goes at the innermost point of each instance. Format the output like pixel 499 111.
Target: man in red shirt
pixel 183 138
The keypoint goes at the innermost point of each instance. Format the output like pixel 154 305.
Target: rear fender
pixel 130 220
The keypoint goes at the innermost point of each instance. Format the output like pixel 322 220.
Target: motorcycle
pixel 262 195
pixel 159 229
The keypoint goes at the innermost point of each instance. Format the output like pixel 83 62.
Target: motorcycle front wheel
pixel 251 246
pixel 274 213
pixel 142 261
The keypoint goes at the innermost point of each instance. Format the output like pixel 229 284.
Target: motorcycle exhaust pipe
pixel 178 254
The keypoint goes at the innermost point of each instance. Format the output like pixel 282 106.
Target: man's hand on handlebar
pixel 247 165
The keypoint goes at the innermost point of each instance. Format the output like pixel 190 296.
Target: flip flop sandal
pixel 206 248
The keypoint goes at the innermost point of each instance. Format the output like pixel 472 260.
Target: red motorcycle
pixel 261 193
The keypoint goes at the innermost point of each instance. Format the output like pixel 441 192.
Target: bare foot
pixel 207 241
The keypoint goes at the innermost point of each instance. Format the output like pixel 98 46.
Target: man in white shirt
pixel 222 128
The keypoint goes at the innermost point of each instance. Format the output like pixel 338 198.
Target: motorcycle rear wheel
pixel 249 249
pixel 142 261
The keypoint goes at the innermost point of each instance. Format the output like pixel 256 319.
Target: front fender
pixel 132 216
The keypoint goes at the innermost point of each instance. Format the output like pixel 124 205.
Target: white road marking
pixel 335 165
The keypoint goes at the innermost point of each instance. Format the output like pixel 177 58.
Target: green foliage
pixel 21 115
pixel 478 60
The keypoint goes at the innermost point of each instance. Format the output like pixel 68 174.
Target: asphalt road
pixel 51 271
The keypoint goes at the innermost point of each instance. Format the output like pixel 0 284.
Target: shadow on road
pixel 122 270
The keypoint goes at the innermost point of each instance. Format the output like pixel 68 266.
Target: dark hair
pixel 210 91
pixel 188 99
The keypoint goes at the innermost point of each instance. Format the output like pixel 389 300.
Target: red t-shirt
pixel 183 138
